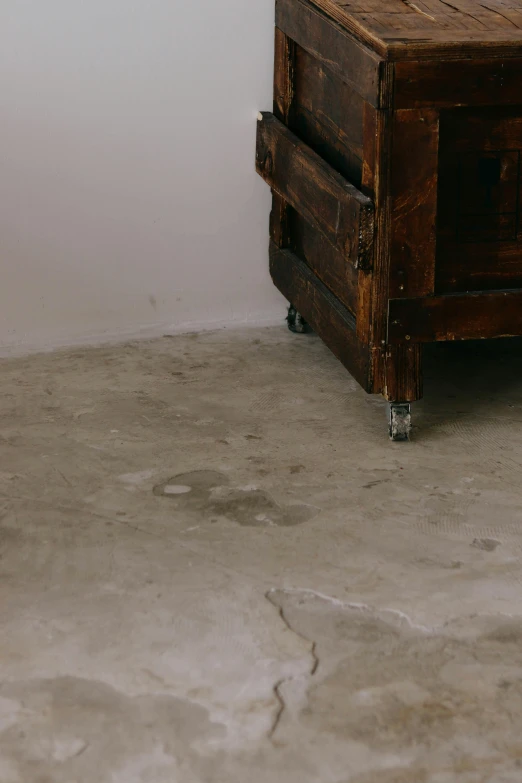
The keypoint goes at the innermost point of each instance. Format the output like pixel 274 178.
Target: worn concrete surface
pixel 216 568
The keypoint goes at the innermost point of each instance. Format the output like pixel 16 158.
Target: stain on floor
pixel 208 492
pixel 405 691
pixel 58 730
pixel 487 544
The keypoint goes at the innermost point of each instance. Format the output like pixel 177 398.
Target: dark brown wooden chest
pixel 394 157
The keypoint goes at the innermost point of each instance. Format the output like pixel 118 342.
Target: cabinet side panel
pixel 479 245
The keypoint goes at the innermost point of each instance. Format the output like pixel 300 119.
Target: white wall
pixel 128 196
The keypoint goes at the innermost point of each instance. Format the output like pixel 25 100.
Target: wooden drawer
pixel 328 202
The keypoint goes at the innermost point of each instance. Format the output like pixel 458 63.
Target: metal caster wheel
pixel 296 322
pixel 400 421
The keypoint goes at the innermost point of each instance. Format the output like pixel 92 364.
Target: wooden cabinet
pixel 394 156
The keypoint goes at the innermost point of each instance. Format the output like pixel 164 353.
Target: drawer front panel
pixel 333 206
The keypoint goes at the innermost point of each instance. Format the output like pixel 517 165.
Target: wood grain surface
pixel 427 29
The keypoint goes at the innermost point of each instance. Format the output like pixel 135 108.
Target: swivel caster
pixel 400 421
pixel 296 322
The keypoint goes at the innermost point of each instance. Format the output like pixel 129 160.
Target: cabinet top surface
pixel 404 28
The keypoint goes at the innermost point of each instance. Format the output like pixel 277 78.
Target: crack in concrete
pixel 282 707
pixel 277 687
pixel 79 752
pixel 359 607
pixel 356 606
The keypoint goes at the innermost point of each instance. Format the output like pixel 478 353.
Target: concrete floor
pixel 215 568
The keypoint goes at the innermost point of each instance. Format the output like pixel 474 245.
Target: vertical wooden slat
pixel 376 182
pixel 364 305
pixel 284 68
pixel 396 370
pixel 413 188
pixel 403 373
pixel 412 236
pixel 365 278
pixel 369 150
pixel 284 80
pixel 280 221
pixel 381 184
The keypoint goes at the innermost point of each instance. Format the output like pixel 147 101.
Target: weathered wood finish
pixel 280 221
pixel 468 83
pixel 324 260
pixel 395 373
pixel 325 199
pixel 328 116
pixel 404 382
pixel 479 243
pixel 413 187
pixel 430 29
pixel 355 64
pixel 377 181
pixel 479 315
pixel 323 311
pixel 284 78
pixel 365 282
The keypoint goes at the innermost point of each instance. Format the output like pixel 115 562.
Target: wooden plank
pixel 368 187
pixel 486 129
pixel 431 29
pixel 481 315
pixel 279 221
pixel 334 324
pixel 479 244
pixel 328 116
pixel 284 78
pixel 463 46
pixel 369 150
pixel 363 309
pixel 467 83
pixel 356 65
pixel 396 371
pixel 414 202
pixel 324 260
pixel 479 266
pixel 404 177
pixel 404 382
pixel 373 305
pixel 337 209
